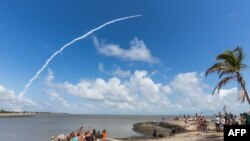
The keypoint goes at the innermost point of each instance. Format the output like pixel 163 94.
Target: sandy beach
pixel 183 134
pixel 189 136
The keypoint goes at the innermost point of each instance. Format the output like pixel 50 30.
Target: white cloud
pixel 166 89
pixel 137 51
pixel 191 95
pixel 121 73
pixel 63 102
pixel 60 104
pixel 9 101
pixel 139 93
pixel 5 94
pixel 116 71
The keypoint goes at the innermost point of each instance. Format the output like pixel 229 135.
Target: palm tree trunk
pixel 245 91
pixel 243 85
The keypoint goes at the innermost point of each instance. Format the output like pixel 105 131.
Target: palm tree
pixel 228 66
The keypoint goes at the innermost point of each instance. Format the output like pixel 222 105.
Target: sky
pixel 152 64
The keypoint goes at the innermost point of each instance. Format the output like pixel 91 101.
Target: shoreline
pixel 182 133
pixel 16 115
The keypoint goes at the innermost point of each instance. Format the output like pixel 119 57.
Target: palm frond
pixel 224 56
pixel 243 66
pixel 228 58
pixel 215 67
pixel 228 72
pixel 222 83
pixel 239 53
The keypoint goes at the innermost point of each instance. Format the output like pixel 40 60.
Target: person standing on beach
pixel 186 123
pixel 154 133
pixel 217 123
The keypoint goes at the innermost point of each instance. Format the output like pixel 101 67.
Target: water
pixel 42 127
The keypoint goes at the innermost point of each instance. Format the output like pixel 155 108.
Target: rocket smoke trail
pixel 65 46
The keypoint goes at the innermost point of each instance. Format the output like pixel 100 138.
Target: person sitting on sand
pixel 88 136
pixel 70 136
pixel 75 138
pixel 81 137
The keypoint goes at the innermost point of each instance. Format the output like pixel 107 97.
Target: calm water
pixel 42 127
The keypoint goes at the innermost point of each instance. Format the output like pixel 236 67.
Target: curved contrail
pixel 66 45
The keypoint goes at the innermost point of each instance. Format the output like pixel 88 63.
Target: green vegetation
pixel 229 66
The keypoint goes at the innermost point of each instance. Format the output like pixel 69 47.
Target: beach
pixel 182 133
pixel 188 136
pixel 170 129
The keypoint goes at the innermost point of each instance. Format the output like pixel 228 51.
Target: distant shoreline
pixel 11 115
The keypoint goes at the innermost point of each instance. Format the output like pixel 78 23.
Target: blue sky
pixel 153 64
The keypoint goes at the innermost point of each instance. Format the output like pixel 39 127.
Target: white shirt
pixel 217 120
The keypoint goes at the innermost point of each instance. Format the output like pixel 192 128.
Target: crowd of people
pixel 229 118
pixel 81 135
pixel 200 121
pixel 220 119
